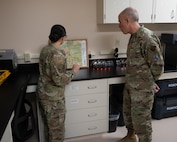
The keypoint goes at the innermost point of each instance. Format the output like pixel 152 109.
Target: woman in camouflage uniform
pixel 51 85
pixel 144 66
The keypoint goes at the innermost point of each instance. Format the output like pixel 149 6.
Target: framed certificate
pixel 76 52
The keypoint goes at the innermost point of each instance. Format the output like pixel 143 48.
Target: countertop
pixel 90 74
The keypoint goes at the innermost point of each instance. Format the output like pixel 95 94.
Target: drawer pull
pixel 92 114
pixel 91 87
pixel 92 128
pixel 92 101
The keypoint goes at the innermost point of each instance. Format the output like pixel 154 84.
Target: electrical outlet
pixel 107 51
pixel 27 57
pixel 91 52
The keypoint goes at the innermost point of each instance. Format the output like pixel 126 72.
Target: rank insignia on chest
pixel 156 57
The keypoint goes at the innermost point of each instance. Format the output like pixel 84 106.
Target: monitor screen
pixel 170 57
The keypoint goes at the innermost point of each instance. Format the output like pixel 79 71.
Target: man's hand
pixel 156 88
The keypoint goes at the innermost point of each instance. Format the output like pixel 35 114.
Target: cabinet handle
pixel 92 114
pixel 91 87
pixel 172 14
pixel 92 101
pixel 92 128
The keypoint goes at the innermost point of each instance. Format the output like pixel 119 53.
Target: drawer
pixel 81 129
pixel 86 101
pixel 116 80
pixel 86 87
pixel 85 115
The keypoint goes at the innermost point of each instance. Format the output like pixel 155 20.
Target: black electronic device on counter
pixel 168 87
pixel 169 38
pixel 169 51
pixel 165 101
pixel 8 60
pixel 164 107
pixel 107 64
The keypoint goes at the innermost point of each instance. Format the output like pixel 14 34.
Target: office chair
pixel 23 124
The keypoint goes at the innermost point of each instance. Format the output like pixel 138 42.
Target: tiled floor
pixel 164 130
pixel 34 138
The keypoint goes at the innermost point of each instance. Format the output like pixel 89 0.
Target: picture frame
pixel 76 52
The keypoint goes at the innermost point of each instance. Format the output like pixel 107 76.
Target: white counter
pixel 116 80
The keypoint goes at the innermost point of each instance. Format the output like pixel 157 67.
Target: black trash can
pixel 116 101
pixel 113 121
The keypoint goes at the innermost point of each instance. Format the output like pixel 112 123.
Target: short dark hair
pixel 57 31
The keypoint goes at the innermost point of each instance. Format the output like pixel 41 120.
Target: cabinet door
pixel 86 101
pixel 112 8
pixel 144 8
pixel 165 11
pixel 76 88
pixel 87 128
pixel 86 115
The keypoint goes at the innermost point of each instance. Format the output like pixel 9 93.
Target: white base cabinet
pixel 87 105
pixel 86 128
pixel 87 108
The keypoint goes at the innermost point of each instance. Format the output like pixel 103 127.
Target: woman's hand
pixel 76 68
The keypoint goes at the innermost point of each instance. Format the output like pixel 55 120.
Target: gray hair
pixel 131 13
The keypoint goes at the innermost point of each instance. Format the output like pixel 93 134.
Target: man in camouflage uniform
pixel 52 80
pixel 144 66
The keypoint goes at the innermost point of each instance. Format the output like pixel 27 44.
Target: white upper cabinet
pixel 144 8
pixel 111 9
pixel 150 11
pixel 165 11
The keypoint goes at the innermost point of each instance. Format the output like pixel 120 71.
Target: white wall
pixel 25 25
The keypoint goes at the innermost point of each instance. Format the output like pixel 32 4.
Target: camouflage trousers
pixel 137 106
pixel 53 114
